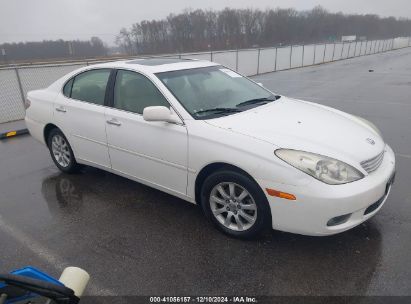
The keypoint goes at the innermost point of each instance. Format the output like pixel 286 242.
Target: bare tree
pixel 199 30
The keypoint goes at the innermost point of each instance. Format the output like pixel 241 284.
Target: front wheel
pixel 235 204
pixel 61 152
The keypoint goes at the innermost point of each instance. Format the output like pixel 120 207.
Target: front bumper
pixel 317 203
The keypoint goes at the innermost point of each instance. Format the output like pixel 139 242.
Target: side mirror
pixel 260 84
pixel 160 113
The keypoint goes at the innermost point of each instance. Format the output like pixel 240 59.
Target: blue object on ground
pixel 33 273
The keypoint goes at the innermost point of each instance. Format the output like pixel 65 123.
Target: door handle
pixel 114 122
pixel 61 109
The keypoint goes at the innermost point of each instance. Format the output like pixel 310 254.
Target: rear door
pixel 151 152
pixel 79 111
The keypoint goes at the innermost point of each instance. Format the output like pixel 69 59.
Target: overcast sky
pixel 28 20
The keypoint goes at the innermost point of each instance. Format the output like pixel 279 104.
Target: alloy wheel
pixel 233 206
pixel 60 149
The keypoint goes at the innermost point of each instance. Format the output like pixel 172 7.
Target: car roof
pixel 157 65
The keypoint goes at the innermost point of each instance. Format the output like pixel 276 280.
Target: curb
pixel 9 134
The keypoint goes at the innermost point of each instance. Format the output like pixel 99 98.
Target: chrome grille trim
pixel 372 164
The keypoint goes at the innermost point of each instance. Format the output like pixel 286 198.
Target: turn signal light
pixel 280 194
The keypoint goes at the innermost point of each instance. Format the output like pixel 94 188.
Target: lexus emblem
pixel 370 141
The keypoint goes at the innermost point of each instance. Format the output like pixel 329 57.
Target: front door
pixel 151 152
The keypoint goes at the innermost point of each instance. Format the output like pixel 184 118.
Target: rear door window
pixel 67 88
pixel 91 86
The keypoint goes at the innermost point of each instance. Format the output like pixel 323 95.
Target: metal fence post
pixel 315 49
pixel 258 61
pixel 342 50
pixel 211 56
pixel 275 63
pixel 325 48
pixel 355 48
pixel 20 85
pixel 236 60
pixel 302 60
pixel 349 49
pixel 291 55
pixel 332 59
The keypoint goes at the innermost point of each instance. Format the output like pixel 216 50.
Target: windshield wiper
pixel 263 100
pixel 218 111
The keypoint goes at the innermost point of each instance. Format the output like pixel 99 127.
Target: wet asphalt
pixel 134 240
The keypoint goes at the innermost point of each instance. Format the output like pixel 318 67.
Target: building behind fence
pixel 16 81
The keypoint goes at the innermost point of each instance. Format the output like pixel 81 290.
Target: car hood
pixel 301 125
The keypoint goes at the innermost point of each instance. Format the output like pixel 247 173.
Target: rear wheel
pixel 61 152
pixel 235 204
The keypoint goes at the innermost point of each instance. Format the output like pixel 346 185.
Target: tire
pixel 61 152
pixel 248 211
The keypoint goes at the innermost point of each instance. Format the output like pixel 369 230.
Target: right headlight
pixel 323 168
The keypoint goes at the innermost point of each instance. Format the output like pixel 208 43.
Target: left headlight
pixel 323 168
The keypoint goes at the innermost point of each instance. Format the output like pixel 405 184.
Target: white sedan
pixel 202 132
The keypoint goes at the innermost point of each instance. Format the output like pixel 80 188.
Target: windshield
pixel 214 91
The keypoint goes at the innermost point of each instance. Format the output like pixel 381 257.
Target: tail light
pixel 27 103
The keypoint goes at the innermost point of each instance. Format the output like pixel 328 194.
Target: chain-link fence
pixel 15 82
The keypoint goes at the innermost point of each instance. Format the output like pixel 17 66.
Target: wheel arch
pixel 211 168
pixel 47 130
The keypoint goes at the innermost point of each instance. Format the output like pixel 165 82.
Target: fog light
pixel 338 220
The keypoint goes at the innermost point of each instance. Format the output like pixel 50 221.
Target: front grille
pixel 372 164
